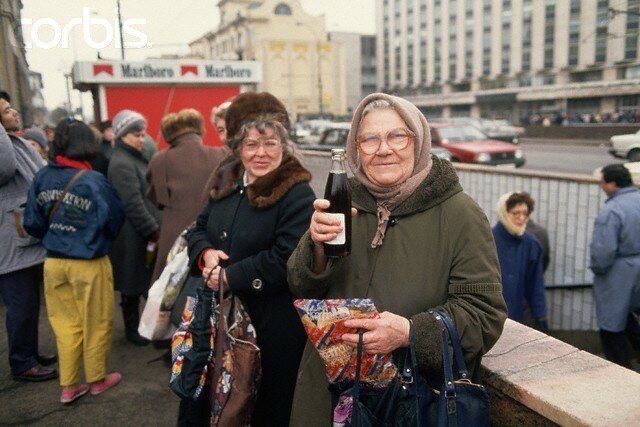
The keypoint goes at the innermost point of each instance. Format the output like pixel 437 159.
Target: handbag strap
pixel 455 343
pixel 64 192
pixel 356 384
pixel 414 371
pixel 449 383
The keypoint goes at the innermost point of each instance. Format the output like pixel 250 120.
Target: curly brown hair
pixel 518 198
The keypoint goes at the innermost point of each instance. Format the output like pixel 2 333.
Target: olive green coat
pixel 439 254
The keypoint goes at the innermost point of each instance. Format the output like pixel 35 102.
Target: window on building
pixel 586 76
pixel 550 14
pixel 282 9
pixel 631 72
pixel 410 81
pixel 602 24
pixel 574 32
pixel 631 35
pixel 629 103
pixel 486 37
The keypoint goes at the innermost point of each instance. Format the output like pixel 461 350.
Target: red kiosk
pixel 157 87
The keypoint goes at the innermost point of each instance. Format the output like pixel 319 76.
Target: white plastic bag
pixel 155 321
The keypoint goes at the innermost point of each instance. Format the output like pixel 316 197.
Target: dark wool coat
pixel 176 178
pixel 127 170
pixel 258 227
pixel 438 253
pixel 522 276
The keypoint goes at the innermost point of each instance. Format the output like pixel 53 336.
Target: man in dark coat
pixel 101 163
pixel 127 170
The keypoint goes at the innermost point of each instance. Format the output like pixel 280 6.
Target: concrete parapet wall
pixel 581 131
pixel 534 379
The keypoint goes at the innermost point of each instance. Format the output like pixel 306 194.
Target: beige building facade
pixel 300 66
pixel 510 58
pixel 14 70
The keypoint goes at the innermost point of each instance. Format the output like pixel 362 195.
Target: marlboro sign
pixel 174 72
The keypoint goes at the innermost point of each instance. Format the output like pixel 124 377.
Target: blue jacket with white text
pixel 87 221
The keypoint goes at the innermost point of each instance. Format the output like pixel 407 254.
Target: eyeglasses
pixel 517 214
pixel 396 139
pixel 271 146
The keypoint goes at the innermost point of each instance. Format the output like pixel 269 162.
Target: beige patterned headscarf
pixel 388 198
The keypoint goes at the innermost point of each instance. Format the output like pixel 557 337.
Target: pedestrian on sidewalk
pixel 520 255
pixel 177 175
pixel 21 255
pixel 615 262
pixel 127 170
pixel 261 186
pixel 77 214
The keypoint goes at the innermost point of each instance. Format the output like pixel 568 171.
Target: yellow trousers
pixel 79 297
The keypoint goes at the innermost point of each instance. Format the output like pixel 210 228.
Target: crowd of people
pixel 557 119
pixel 84 221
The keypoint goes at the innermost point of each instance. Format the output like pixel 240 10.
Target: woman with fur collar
pixel 260 205
pixel 418 243
pixel 520 255
pixel 177 175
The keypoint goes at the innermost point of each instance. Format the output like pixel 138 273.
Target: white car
pixel 626 146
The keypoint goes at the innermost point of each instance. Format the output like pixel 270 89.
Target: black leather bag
pixel 460 402
pixel 189 289
pixel 409 400
pixel 404 402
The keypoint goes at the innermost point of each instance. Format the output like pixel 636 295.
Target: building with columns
pixel 510 58
pixel 301 66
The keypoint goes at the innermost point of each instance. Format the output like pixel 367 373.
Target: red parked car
pixel 468 144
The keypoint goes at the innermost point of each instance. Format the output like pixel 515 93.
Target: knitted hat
pixel 251 105
pixel 186 121
pixel 36 135
pixel 127 121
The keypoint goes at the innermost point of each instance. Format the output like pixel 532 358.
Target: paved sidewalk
pixel 142 398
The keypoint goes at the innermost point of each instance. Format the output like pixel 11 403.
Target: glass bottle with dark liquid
pixel 337 192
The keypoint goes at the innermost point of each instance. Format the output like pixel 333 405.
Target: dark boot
pixel 615 347
pixel 131 315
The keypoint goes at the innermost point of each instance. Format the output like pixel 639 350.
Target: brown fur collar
pixel 441 183
pixel 264 191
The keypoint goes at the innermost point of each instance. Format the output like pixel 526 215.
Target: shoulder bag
pixel 68 187
pixel 409 400
pixel 217 343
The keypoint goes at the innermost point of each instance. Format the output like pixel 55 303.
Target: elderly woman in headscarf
pixel 419 243
pixel 520 255
pixel 260 205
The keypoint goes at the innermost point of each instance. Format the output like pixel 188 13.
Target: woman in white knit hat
pixel 127 170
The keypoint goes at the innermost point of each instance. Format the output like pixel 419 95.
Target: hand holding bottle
pixel 325 227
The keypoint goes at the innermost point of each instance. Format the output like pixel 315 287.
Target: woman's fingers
pixel 212 281
pixel 321 204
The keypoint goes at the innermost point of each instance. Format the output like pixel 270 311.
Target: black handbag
pixel 189 288
pixel 409 400
pixel 404 402
pixel 460 402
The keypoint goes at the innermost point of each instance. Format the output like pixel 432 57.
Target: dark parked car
pixel 336 137
pixel 467 144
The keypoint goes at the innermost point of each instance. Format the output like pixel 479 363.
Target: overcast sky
pixel 168 26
